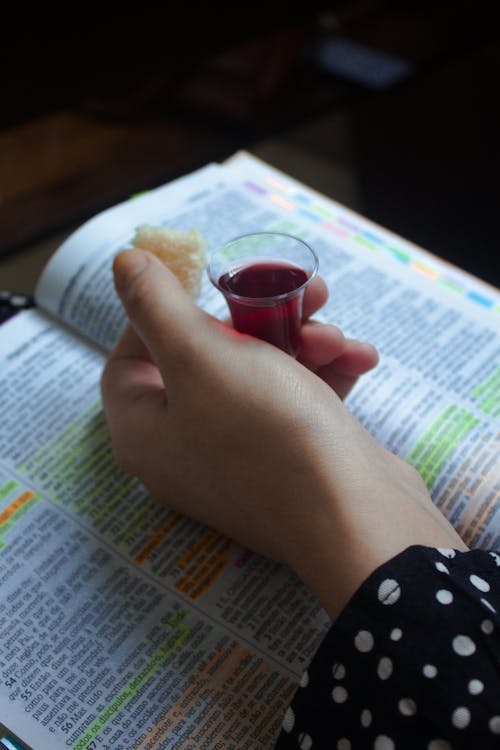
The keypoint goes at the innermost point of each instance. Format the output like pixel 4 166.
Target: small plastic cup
pixel 263 277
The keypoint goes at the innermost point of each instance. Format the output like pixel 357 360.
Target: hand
pixel 235 433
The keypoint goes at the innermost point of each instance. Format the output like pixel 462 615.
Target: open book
pixel 126 625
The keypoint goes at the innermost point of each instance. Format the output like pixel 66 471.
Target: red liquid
pixel 277 321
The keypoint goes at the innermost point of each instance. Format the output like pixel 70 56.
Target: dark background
pixel 96 108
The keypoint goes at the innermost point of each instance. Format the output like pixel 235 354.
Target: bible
pixel 124 625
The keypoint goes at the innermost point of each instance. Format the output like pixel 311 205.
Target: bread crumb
pixel 182 252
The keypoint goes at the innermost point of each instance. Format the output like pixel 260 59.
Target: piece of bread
pixel 182 252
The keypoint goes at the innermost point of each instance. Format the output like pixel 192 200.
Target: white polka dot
pixel 304 680
pixel 364 641
pixel 449 553
pixel 496 558
pixel 366 718
pixel 475 687
pixel 494 724
pixel 338 671
pixel 383 742
pixel 439 745
pixel 305 741
pixel 444 596
pixel 463 645
pixel 479 583
pixel 339 694
pixel 429 671
pixel 488 605
pixel 442 568
pixel 384 669
pixel 487 627
pixel 396 634
pixel 343 744
pixel 460 717
pixel 407 706
pixel 289 720
pixel 389 591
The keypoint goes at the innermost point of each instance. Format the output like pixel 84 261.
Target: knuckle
pixel 124 458
pixel 138 292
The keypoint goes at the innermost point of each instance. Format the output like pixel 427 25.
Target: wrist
pixel 368 509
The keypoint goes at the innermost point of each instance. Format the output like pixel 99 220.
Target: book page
pixel 77 287
pixel 124 624
pixel 434 398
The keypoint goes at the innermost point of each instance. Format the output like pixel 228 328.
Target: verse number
pixel 10 681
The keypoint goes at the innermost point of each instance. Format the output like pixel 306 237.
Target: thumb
pixel 159 309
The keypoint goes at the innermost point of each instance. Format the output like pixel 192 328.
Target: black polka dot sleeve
pixel 413 661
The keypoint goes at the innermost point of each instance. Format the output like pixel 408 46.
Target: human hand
pixel 238 435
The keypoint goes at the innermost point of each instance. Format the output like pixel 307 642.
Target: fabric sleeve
pixel 413 661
